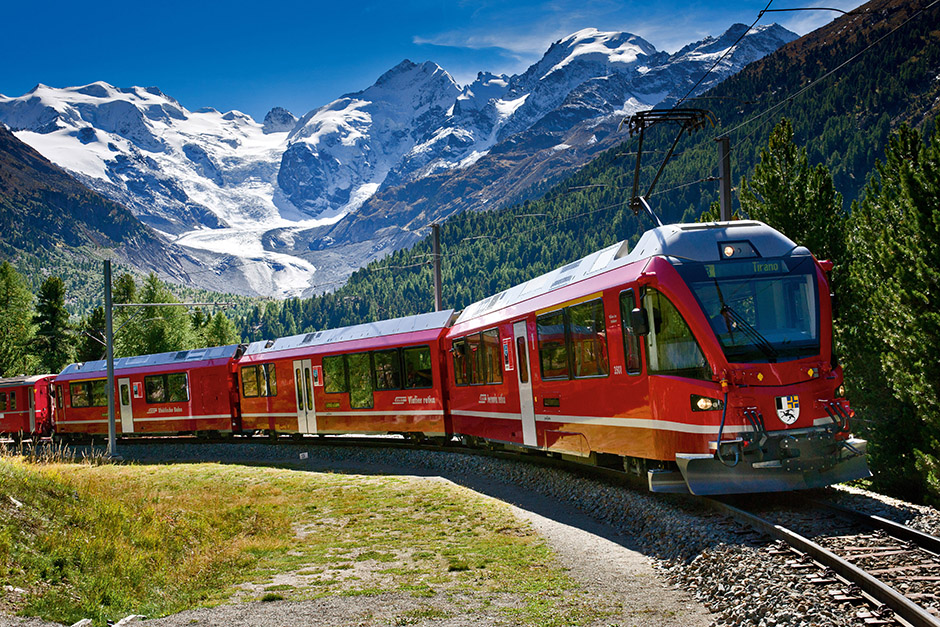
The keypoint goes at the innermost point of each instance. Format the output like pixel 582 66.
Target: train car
pixel 702 359
pixel 26 407
pixel 377 378
pixel 168 393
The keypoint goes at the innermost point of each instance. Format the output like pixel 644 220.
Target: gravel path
pixel 647 559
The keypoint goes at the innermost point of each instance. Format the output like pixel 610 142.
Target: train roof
pixel 698 242
pixel 409 324
pixel 159 359
pixel 8 382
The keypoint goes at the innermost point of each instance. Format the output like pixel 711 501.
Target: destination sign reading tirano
pixel 746 268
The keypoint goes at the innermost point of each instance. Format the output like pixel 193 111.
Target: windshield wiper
pixel 735 320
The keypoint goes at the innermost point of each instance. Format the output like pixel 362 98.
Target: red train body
pixel 701 359
pixel 383 377
pixel 26 407
pixel 167 393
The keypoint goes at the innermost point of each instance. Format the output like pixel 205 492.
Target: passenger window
pixel 631 343
pixel 418 369
pixel 3 401
pixel 477 359
pixel 461 362
pixel 387 370
pixel 588 335
pixel 671 347
pixel 360 380
pixel 334 374
pixel 523 358
pixel 166 388
pixel 12 401
pixel 491 357
pixel 553 348
pixel 250 381
pixel 269 378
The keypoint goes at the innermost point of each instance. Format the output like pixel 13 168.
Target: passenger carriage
pixel 25 405
pixel 651 357
pixel 376 378
pixel 167 393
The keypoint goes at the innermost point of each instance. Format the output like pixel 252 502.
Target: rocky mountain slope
pixel 291 206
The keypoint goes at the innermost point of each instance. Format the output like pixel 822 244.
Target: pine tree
pixel 54 342
pixel 798 200
pixel 90 346
pixel 156 329
pixel 895 326
pixel 16 323
pixel 219 331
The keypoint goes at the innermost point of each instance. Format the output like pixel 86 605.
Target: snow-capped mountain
pixel 289 207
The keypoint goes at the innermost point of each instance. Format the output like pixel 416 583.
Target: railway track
pixel 859 559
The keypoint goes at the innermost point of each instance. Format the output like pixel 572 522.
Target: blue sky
pixel 252 56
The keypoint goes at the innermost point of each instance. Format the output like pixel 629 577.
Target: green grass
pixel 102 541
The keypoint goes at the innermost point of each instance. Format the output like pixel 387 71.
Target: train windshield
pixel 761 310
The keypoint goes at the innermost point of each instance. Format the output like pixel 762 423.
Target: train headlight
pixel 840 392
pixel 704 403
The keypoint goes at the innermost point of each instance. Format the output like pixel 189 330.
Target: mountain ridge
pixel 309 199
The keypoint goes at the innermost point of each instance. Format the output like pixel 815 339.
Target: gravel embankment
pixel 734 574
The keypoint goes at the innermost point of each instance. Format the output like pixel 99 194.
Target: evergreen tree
pixel 795 198
pixel 219 331
pixel 54 342
pixel 155 329
pixel 16 323
pixel 895 326
pixel 90 345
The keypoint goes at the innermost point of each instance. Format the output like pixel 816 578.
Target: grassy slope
pixel 105 541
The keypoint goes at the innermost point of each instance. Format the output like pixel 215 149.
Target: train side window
pixel 13 401
pixel 631 343
pixel 477 359
pixel 79 394
pixel 269 378
pixel 58 397
pixel 553 347
pixel 360 380
pixel 671 346
pixel 250 381
pixel 334 374
pixel 99 393
pixel 418 368
pixel 587 332
pixel 522 356
pixel 387 370
pixel 461 362
pixel 167 388
pixel 492 357
pixel 298 377
pixel 3 401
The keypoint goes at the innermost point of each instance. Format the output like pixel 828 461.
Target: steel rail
pixel 902 606
pixel 899 531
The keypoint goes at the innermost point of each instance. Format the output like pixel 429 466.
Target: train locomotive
pixel 700 359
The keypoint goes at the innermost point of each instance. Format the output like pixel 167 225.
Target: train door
pixel 303 384
pixel 127 412
pixel 527 407
pixel 31 406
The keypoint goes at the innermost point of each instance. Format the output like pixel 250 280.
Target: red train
pixel 25 406
pixel 701 359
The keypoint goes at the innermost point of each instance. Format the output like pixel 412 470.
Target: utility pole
pixel 436 254
pixel 109 343
pixel 724 174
